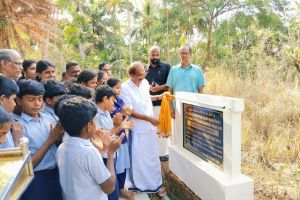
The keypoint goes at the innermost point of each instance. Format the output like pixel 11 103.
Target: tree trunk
pixel 208 46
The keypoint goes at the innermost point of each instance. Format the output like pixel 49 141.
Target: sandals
pixel 162 192
pixel 126 194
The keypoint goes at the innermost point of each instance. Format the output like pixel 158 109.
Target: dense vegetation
pixel 248 49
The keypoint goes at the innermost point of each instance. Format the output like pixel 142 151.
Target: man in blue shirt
pixel 185 77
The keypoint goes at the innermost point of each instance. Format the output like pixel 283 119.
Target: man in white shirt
pixel 145 165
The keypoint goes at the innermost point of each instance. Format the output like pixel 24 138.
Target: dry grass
pixel 270 130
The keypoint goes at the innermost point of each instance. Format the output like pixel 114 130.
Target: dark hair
pixel 41 66
pixel 80 90
pixel 57 104
pixel 63 74
pixel 75 113
pixel 112 82
pixel 53 88
pixel 101 74
pixel 71 64
pixel 101 65
pixel 4 116
pixel 26 64
pixel 31 87
pixel 85 76
pixel 8 87
pixel 103 91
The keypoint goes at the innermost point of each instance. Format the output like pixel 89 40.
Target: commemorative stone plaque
pixel 203 133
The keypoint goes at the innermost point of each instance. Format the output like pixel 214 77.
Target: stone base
pixel 206 181
pixel 176 189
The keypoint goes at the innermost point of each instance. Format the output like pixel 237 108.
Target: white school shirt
pixel 139 97
pixel 81 170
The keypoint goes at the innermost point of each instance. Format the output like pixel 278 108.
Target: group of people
pixel 90 132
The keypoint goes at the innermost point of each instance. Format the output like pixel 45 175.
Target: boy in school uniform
pixel 105 103
pixel 8 92
pixel 53 91
pixel 38 128
pixel 5 123
pixel 83 175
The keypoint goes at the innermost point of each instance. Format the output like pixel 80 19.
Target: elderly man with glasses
pixel 185 77
pixel 10 63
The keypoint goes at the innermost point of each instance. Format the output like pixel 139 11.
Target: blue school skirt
pixel 44 186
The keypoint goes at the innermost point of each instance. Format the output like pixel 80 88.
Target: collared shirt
pixel 16 117
pixel 81 170
pixel 188 79
pixel 9 142
pixel 50 112
pixel 139 98
pixel 104 120
pixel 37 131
pixel 159 75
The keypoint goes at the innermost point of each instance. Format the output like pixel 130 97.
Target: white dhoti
pixel 162 142
pixel 145 172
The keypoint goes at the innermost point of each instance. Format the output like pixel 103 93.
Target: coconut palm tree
pixel 25 23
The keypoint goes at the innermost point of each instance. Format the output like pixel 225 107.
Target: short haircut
pixel 75 113
pixel 112 82
pixel 132 68
pixel 4 116
pixel 101 65
pixel 64 74
pixel 80 90
pixel 57 104
pixel 5 54
pixel 42 65
pixel 187 46
pixel 71 64
pixel 8 87
pixel 103 91
pixel 100 75
pixel 30 87
pixel 154 47
pixel 53 88
pixel 85 76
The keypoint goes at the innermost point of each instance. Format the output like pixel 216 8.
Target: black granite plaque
pixel 203 133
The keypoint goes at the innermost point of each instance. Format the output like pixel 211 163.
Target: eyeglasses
pixel 184 53
pixel 16 63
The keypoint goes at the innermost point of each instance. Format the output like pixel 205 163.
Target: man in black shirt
pixel 157 74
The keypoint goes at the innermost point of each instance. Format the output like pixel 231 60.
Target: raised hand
pixel 127 124
pixel 56 132
pixel 17 132
pixel 115 143
pixel 117 119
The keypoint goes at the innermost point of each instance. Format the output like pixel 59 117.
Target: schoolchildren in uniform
pixel 38 128
pixel 105 104
pixel 80 90
pixel 5 123
pixel 8 92
pixel 53 91
pixel 123 159
pixel 83 175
